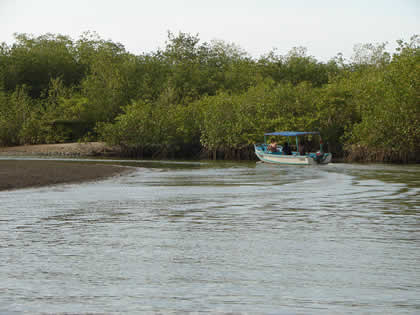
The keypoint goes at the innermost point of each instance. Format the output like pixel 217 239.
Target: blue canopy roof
pixel 291 133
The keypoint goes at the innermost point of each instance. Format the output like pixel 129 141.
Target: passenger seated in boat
pixel 302 148
pixel 286 149
pixel 272 147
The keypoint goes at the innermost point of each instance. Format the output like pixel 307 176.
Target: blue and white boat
pixel 298 157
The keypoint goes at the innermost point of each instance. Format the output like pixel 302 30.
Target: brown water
pixel 216 237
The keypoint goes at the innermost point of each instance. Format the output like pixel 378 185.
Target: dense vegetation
pixel 209 98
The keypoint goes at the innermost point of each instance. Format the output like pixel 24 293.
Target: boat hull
pixel 285 159
pixel 276 158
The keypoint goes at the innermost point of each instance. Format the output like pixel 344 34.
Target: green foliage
pixel 296 67
pixel 213 97
pixel 15 110
pixel 142 125
pixel 105 88
pixel 235 121
pixel 34 61
pixel 390 108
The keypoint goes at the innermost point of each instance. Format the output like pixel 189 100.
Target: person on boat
pixel 302 148
pixel 272 147
pixel 286 149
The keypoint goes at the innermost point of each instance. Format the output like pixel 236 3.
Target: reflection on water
pixel 218 237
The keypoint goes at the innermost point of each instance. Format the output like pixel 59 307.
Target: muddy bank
pixel 62 149
pixel 27 173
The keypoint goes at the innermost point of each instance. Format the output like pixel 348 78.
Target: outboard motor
pixel 319 157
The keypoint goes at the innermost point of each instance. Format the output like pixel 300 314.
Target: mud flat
pixel 16 174
pixel 61 149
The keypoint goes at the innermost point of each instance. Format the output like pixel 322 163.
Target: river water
pixel 216 237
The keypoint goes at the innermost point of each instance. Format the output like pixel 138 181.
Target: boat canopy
pixel 291 133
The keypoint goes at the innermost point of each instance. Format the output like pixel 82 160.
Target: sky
pixel 324 27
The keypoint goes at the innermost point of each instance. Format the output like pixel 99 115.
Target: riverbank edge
pixel 354 154
pixel 77 149
pixel 19 174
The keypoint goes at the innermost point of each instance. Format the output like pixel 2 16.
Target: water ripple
pixel 216 237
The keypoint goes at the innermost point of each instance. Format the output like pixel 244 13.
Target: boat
pixel 282 155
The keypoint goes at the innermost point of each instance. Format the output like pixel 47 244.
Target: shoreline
pixel 77 149
pixel 17 174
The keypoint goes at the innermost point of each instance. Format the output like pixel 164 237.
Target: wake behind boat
pixel 285 155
